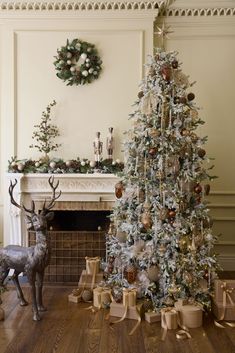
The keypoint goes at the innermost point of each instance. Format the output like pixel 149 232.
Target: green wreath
pixel 78 63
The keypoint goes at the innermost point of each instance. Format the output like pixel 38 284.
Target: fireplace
pixel 80 222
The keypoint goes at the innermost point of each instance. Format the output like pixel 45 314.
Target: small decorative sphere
pixel 175 64
pixel 177 123
pixel 171 214
pixel 201 152
pixel 85 73
pixel 83 56
pixel 153 273
pixel 119 189
pixel 163 213
pixel 87 295
pixel 89 49
pixel 90 70
pixel 61 62
pixel 87 60
pixel 68 163
pixel 146 220
pixel 198 189
pixel 78 46
pixel 194 137
pixel 72 69
pixel 147 305
pixel 52 164
pixel 182 100
pixel 37 164
pixel 152 151
pixel 69 55
pixel 69 62
pixel 87 65
pixel 92 164
pixel 130 273
pixel 20 166
pixel 208 237
pixel 83 163
pixel 191 96
pixel 185 132
pixel 140 94
pixel 95 72
pixel 166 73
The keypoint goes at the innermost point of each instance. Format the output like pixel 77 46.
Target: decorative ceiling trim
pixel 79 6
pixel 203 12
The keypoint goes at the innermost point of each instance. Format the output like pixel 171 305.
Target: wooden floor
pixel 68 328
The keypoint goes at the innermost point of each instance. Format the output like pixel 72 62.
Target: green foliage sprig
pixel 46 132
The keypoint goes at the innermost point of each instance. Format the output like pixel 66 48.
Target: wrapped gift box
pixel 152 317
pixel 85 280
pixel 180 302
pixel 101 297
pixel 75 296
pixel 218 310
pixel 169 318
pixel 190 315
pixel 118 310
pixel 221 286
pixel 92 265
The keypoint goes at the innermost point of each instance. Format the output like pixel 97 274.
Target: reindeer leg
pixel 39 283
pixel 20 294
pixel 3 275
pixel 32 278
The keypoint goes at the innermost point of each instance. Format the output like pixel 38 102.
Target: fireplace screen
pixel 73 235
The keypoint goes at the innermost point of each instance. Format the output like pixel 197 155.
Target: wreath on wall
pixel 78 63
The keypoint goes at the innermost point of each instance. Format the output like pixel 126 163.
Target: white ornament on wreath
pixel 78 63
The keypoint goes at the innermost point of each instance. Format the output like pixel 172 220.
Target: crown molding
pixel 76 6
pixel 199 12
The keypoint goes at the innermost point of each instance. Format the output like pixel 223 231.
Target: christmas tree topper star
pixel 162 32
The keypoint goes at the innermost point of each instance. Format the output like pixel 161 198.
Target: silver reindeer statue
pixel 30 260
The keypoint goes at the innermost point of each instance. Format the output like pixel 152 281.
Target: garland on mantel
pixel 59 166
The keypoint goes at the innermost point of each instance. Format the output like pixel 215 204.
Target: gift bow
pixel 181 334
pixel 92 261
pixel 226 295
pixel 129 296
pixel 126 305
pixel 99 291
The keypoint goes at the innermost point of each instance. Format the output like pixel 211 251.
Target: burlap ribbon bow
pixel 226 296
pixel 129 299
pixel 181 334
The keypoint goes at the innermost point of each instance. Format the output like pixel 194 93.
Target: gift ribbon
pixel 181 334
pixel 126 305
pixel 92 261
pixel 226 295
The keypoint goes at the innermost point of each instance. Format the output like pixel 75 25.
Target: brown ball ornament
pixel 185 132
pixel 154 132
pixel 166 73
pixel 130 273
pixel 191 96
pixel 119 189
pixel 171 214
pixel 146 220
pixel 198 189
pixel 121 236
pixel 153 273
pixel 201 152
pixel 194 137
pixel 147 305
pixel 140 94
pixel 175 64
pixel 163 214
pixel 153 151
pixel 182 100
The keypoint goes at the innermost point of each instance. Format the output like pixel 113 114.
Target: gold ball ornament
pixel 163 214
pixel 153 273
pixel 146 220
pixel 141 195
pixel 154 133
pixel 201 153
pixel 173 289
pixel 171 214
pixel 188 277
pixel 139 245
pixel 121 236
pixel 194 114
pixel 184 243
pixel 147 305
pixel 87 295
pixel 169 301
pixel 185 132
pixel 194 137
pixel 162 249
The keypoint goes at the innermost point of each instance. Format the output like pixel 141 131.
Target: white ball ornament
pixel 20 166
pixel 83 163
pixel 72 69
pixel 114 163
pixel 83 56
pixel 90 70
pixel 52 165
pixel 69 55
pixel 37 164
pixel 85 73
pixel 87 60
pixel 13 164
pixel 69 62
pixel 92 164
pixel 68 163
pixel 87 65
pixel 95 72
pixel 61 62
pixel 78 46
pixel 89 49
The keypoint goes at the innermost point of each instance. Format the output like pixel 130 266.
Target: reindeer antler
pixel 10 190
pixel 54 197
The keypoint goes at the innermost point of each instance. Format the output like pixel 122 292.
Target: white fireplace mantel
pixel 75 188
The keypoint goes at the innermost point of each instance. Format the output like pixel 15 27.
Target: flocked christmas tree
pixel 160 240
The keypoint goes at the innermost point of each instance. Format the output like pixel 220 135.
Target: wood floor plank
pixel 70 328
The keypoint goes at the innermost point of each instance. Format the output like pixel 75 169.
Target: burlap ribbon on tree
pixel 181 334
pixel 149 103
pixel 226 297
pixel 129 299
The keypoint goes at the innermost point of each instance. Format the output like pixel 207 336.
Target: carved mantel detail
pixel 79 192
